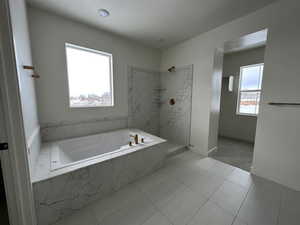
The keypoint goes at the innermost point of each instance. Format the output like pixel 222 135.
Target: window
pixel 90 77
pixel 250 89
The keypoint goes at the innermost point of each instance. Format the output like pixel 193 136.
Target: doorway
pixel 241 86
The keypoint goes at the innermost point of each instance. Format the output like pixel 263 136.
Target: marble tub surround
pixel 44 171
pixel 67 129
pixel 64 191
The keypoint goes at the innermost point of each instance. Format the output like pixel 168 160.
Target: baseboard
pixel 237 139
pixel 176 150
pixel 212 150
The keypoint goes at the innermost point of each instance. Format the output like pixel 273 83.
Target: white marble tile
pixel 128 168
pixel 67 129
pixel 175 119
pixel 211 214
pixel 148 101
pixel 143 99
pixel 63 195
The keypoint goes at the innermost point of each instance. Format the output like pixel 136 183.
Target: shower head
pixel 171 69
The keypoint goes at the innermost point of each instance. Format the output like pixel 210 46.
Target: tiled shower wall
pixel 149 97
pixel 143 100
pixel 65 129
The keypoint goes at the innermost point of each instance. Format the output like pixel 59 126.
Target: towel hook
pixel 34 75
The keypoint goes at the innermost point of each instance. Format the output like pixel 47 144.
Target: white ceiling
pixel 246 42
pixel 156 23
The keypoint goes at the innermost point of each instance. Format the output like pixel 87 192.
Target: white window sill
pixel 245 114
pixel 90 107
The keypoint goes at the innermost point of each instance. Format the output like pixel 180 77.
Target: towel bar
pixel 285 103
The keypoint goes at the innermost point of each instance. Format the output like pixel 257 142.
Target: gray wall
pixel 232 125
pixel 49 34
pixel 200 51
pixel 276 151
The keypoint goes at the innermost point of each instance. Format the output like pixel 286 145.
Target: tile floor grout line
pixel 188 187
pixel 118 209
pixel 154 205
pixel 158 210
pixel 207 200
pixel 193 216
pixel 232 182
pixel 177 185
pixel 280 206
pixel 249 189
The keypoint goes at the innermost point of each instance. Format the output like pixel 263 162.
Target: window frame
pixel 111 77
pixel 240 91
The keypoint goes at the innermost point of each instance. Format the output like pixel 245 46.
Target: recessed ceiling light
pixel 103 12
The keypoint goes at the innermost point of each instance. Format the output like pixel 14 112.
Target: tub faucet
pixel 136 138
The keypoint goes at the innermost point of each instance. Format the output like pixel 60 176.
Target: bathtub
pixel 84 169
pixel 99 147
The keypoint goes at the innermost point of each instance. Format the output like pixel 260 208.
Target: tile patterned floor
pixel 234 152
pixel 192 190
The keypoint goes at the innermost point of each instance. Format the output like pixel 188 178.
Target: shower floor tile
pixel 194 190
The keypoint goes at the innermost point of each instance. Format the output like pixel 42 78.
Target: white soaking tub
pixel 99 147
pixel 84 169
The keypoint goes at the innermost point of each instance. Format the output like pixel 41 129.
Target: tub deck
pixel 45 169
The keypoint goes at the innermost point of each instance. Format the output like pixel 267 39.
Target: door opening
pixel 239 91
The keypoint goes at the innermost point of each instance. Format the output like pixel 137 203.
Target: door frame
pixel 15 163
pixel 243 42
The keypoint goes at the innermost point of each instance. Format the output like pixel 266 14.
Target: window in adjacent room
pixel 250 89
pixel 90 77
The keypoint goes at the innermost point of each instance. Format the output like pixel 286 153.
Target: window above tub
pixel 90 77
